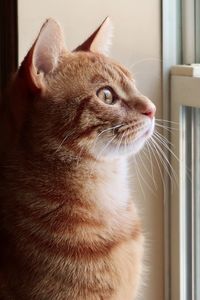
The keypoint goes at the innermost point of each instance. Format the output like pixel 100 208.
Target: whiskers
pixel 121 136
pixel 161 150
pixel 146 60
pixel 149 164
pixel 112 132
pixel 156 158
pixel 64 140
pixel 92 144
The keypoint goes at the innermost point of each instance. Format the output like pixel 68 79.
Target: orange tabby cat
pixel 69 229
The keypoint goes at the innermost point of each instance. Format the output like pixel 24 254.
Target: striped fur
pixel 69 229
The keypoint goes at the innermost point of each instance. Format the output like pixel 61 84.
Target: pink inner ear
pixel 44 55
pixel 42 62
pixel 48 47
pixel 100 40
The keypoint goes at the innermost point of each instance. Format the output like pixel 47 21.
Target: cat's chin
pixel 112 151
pixel 125 150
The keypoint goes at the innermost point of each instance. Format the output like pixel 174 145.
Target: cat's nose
pixel 144 106
pixel 150 111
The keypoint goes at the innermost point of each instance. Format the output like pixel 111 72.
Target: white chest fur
pixel 110 190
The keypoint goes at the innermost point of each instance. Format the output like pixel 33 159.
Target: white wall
pixel 137 40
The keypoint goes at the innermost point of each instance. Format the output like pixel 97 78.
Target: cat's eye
pixel 107 95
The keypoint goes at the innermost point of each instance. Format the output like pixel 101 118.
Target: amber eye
pixel 106 94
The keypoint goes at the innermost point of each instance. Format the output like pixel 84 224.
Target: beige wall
pixel 137 40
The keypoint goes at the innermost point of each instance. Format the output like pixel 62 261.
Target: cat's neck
pixel 102 182
pixel 108 183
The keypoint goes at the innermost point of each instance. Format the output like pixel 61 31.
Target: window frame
pixel 174 52
pixel 185 91
pixel 8 40
pixel 171 55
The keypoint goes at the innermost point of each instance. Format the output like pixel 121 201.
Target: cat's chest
pixel 110 189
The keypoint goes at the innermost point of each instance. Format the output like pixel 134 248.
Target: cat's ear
pixel 100 40
pixel 44 55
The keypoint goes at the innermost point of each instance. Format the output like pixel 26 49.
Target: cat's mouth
pixel 134 132
pixel 132 138
pixel 126 139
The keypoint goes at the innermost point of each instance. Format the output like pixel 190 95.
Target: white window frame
pixel 185 91
pixel 171 54
pixel 177 50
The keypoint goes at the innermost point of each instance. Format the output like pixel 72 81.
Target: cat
pixel 69 228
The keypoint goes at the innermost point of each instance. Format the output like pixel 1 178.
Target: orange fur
pixel 69 229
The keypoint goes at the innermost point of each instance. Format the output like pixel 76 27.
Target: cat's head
pixel 81 102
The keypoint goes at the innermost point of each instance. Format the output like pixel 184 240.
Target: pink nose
pixel 150 111
pixel 144 106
